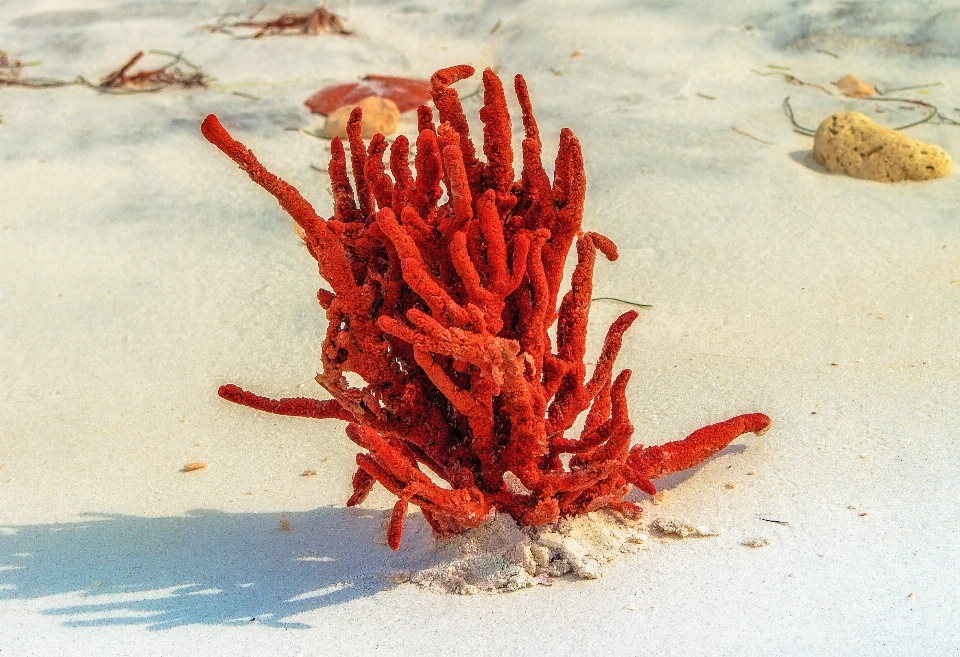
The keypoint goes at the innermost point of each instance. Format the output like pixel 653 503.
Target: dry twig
pixel 753 137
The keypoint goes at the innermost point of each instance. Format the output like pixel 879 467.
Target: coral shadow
pixel 206 567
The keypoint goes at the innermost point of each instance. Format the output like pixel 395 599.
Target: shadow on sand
pixel 212 567
pixel 207 567
pixel 807 159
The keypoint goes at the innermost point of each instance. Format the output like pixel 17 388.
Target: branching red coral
pixel 444 310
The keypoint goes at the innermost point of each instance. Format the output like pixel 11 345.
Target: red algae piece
pixel 445 310
pixel 407 93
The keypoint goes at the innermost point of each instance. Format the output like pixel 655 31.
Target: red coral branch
pixel 444 310
pixel 293 406
pixel 659 461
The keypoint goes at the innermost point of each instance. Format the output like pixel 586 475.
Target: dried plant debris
pixel 11 75
pixel 853 87
pixel 753 137
pixel 932 113
pixel 792 79
pixel 618 300
pixel 126 81
pixel 177 72
pixel 319 21
pixel 922 88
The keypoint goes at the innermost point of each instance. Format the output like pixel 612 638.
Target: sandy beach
pixel 140 270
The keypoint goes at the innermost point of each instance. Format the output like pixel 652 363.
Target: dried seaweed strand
pixel 810 132
pixel 753 137
pixel 792 79
pixel 796 126
pixel 912 86
pixel 629 303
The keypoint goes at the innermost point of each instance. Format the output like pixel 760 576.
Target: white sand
pixel 139 270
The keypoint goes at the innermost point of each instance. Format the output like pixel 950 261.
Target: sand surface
pixel 139 270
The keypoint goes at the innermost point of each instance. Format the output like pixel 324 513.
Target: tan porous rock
pixel 379 115
pixel 850 143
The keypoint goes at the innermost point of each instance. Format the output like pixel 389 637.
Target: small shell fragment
pixel 195 465
pixel 380 115
pixel 854 87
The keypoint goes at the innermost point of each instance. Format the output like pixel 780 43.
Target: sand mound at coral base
pixel 499 556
